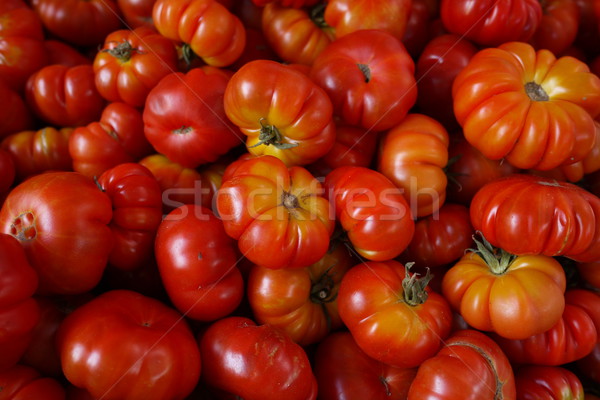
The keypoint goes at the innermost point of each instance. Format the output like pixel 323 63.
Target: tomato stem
pixel 270 135
pixel 122 51
pixel 536 92
pixel 414 287
pixel 498 260
pixel 366 71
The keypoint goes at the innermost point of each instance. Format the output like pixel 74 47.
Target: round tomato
pixel 541 382
pixel 137 12
pixel 558 26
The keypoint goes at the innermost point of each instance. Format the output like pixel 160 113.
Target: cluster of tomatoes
pixel 299 199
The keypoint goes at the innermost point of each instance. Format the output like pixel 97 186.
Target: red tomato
pixel 281 111
pixel 369 77
pixel 198 264
pixel 419 26
pixel 137 213
pixel 540 382
pixel 61 53
pixel 371 210
pixel 7 173
pixel 469 366
pixel 392 314
pixel 24 383
pixel 558 26
pixel 209 28
pixel 64 96
pixel 61 219
pixel 491 23
pixel 184 118
pixel 590 302
pixel 277 214
pixel 344 371
pixel 14 113
pixel 131 63
pixel 137 12
pixel 123 345
pixel 268 364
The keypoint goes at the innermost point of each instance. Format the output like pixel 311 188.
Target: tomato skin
pixel 131 63
pixel 137 12
pixel 184 118
pixel 517 103
pixel 64 96
pixel 491 23
pixel 212 31
pixel 373 304
pixel 100 341
pixel 413 155
pixel 541 382
pixel 23 383
pixel 39 151
pixel 470 365
pixel 265 96
pixel 61 219
pixel 61 53
pixel 371 210
pixel 277 214
pixel 7 173
pixel 197 263
pixel 558 26
pixel 269 365
pixel 369 77
pixel 344 371
pixel 14 113
pixel 566 221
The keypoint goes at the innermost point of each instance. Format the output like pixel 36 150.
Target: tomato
pixel 558 26
pixel 296 35
pixel 117 137
pixel 34 152
pixel 281 111
pixel 516 297
pixel 22 50
pixel 490 23
pixel 61 53
pixel 392 314
pixel 440 238
pixel 413 155
pixel 64 96
pixel 184 118
pixel 7 172
pixel 590 302
pixel 277 214
pixel 197 262
pixel 23 383
pixel 61 219
pixel 19 312
pixel 344 371
pixel 302 302
pixel 79 22
pixel 469 366
pixel 14 113
pixel 566 220
pixel 418 30
pixel 540 382
pixel 213 33
pixel 371 210
pixel 123 345
pixel 137 12
pixel 369 77
pixel 268 364
pixel 528 107
pixel 131 63
pixel 137 212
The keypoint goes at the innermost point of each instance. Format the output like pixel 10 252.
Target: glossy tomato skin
pixel 369 77
pixel 269 365
pixel 14 113
pixel 470 365
pixel 558 27
pixel 386 322
pixel 540 382
pixel 491 23
pixel 22 383
pixel 371 210
pixel 343 370
pixel 184 118
pixel 61 219
pixel 123 345
pixel 198 264
pixel 590 302
pixel 137 12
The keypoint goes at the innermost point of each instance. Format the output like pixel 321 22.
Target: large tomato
pixel 542 382
pixel 123 345
pixel 61 219
pixel 137 12
pixel 198 264
pixel 277 214
pixel 527 106
pixel 369 76
pixel 268 364
pixel 392 314
pixel 371 210
pixel 516 297
pixel 558 26
pixel 282 111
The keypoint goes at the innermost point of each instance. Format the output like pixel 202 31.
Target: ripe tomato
pixel 61 219
pixel 281 111
pixel 7 173
pixel 539 382
pixel 558 26
pixel 528 107
pixel 123 345
pixel 277 214
pixel 516 297
pixel 198 264
pixel 369 77
pixel 268 364
pixel 137 12
pixel 22 383
pixel 393 316
pixel 14 114
pixel 62 53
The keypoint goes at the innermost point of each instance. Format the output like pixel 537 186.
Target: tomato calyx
pixel 186 54
pixel 122 51
pixel 182 130
pixel 366 71
pixel 322 289
pixel 289 201
pixel 317 15
pixel 23 227
pixel 536 92
pixel 414 287
pixel 270 135
pixel 497 259
pixel 386 385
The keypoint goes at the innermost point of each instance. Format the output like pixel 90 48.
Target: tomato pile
pixel 299 199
